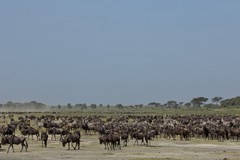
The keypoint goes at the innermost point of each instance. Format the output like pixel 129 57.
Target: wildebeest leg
pixel 105 145
pixel 60 137
pixel 146 141
pixel 114 145
pixel 125 143
pixel 108 145
pixel 45 143
pixel 77 145
pixel 11 145
pixel 26 145
pixel 37 137
pixel 119 144
pixel 73 146
pixel 23 145
pixel 143 141
pixel 136 141
pixel 68 145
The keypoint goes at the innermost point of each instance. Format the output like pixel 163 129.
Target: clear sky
pixel 111 52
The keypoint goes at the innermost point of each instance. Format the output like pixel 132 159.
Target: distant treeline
pixel 29 105
pixel 216 102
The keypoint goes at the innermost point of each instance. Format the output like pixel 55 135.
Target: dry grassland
pixel 160 149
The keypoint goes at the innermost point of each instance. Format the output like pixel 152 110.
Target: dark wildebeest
pixel 8 131
pixel 139 136
pixel 72 138
pixel 30 131
pixel 206 132
pixel 55 131
pixel 11 140
pixel 148 137
pixel 88 127
pixel 12 126
pixel 124 138
pixel 33 131
pixel 114 140
pixel 44 138
pixel 104 140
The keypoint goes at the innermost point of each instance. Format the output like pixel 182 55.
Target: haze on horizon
pixel 111 52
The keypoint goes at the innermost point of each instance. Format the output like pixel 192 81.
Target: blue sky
pixel 110 52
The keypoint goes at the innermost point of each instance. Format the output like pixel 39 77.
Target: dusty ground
pixel 159 150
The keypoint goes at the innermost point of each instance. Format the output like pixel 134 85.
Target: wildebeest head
pixel 8 131
pixel 4 140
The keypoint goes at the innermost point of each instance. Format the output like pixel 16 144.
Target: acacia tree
pixel 172 104
pixel 69 105
pixel 119 106
pixel 216 100
pixel 199 101
pixel 93 106
pixel 180 104
pixel 155 104
pixel 188 104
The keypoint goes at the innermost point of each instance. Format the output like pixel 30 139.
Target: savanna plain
pixel 158 149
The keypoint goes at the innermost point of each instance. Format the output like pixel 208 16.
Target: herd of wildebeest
pixel 115 132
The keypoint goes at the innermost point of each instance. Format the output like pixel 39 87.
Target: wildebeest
pixel 55 131
pixel 34 131
pixel 104 140
pixel 139 136
pixel 44 139
pixel 11 140
pixel 114 140
pixel 30 131
pixel 87 127
pixel 8 131
pixel 124 138
pixel 72 138
pixel 2 129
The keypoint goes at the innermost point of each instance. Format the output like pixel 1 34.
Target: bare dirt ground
pixel 160 149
